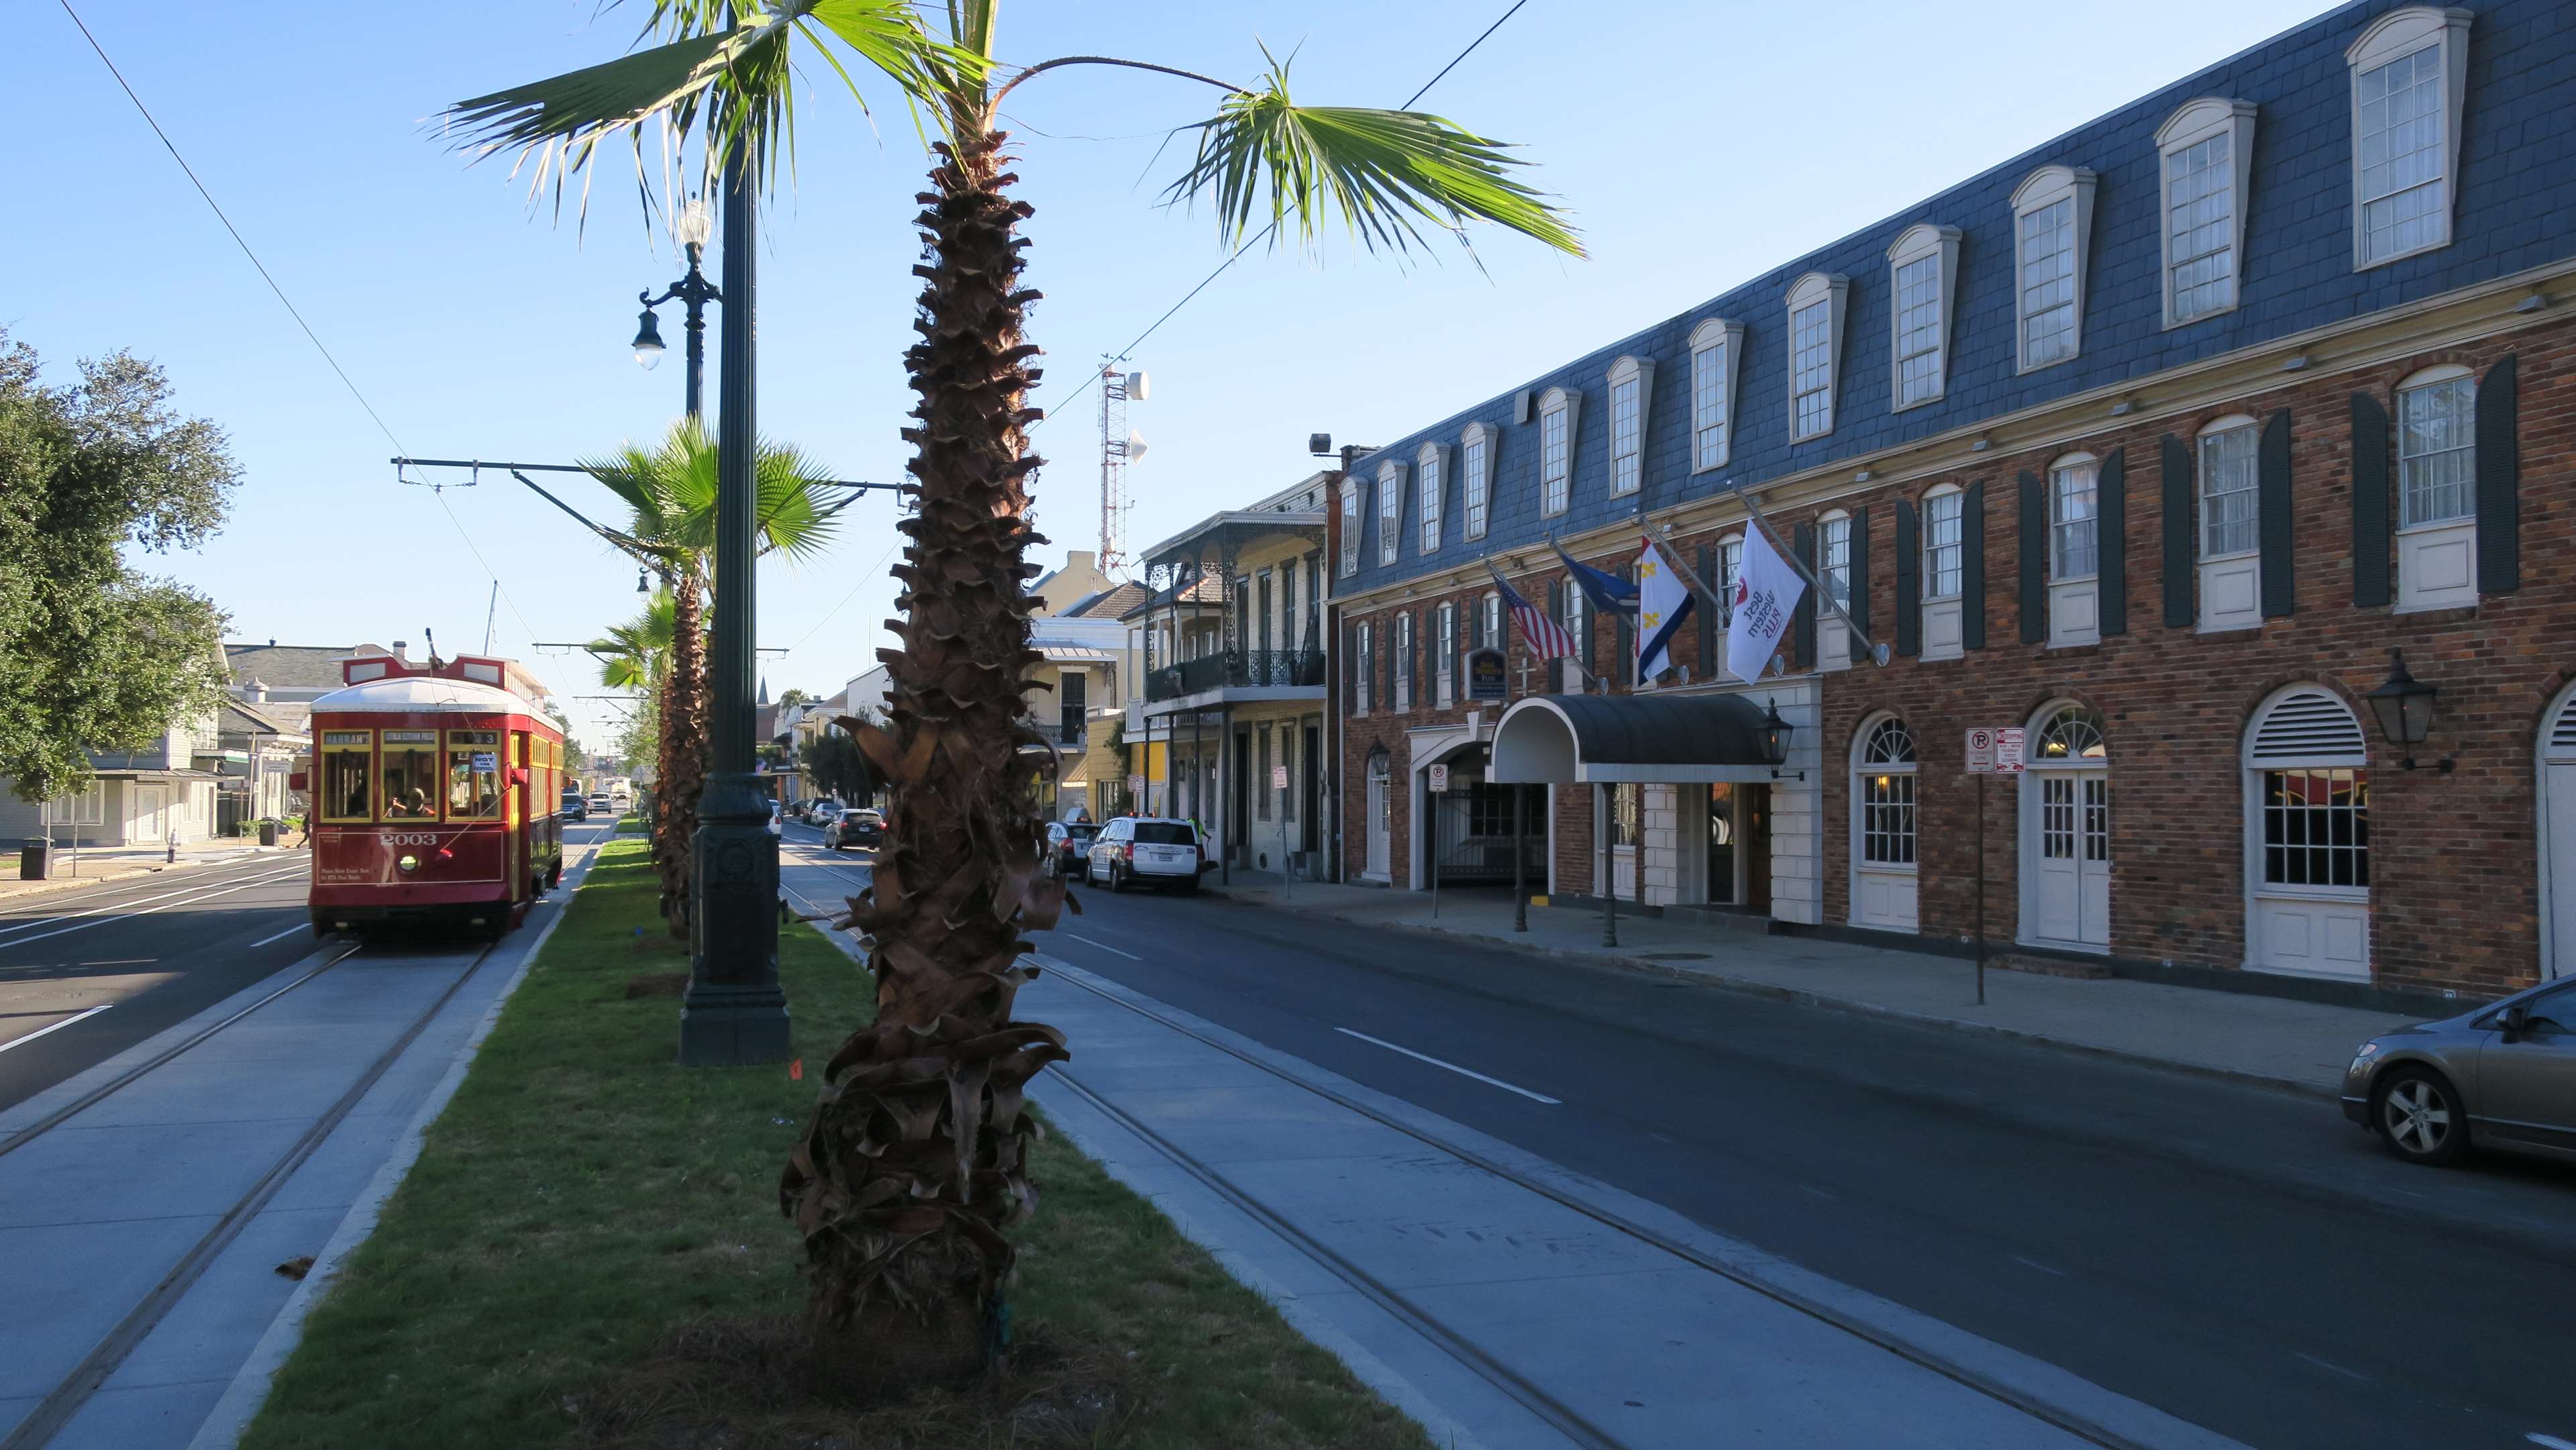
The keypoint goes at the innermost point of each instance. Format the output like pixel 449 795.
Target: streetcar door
pixel 515 815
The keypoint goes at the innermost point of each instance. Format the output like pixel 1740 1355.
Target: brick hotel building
pixel 2156 441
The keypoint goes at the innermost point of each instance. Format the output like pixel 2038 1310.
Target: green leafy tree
pixel 670 494
pixel 912 1164
pixel 96 655
pixel 837 766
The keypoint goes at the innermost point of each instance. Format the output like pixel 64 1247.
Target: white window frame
pixel 1940 246
pixel 2198 122
pixel 1628 438
pixel 1367 672
pixel 1489 621
pixel 89 808
pixel 1570 613
pixel 2074 593
pixel 1444 654
pixel 2039 191
pixel 2396 36
pixel 1400 685
pixel 1833 639
pixel 1350 527
pixel 2231 583
pixel 1715 345
pixel 1556 491
pixel 2314 906
pixel 1433 475
pixel 1476 449
pixel 1730 563
pixel 2436 559
pixel 1828 290
pixel 1943 614
pixel 1390 511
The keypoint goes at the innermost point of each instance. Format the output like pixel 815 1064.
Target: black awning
pixel 1584 739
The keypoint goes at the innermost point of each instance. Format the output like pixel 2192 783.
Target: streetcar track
pixel 40 900
pixel 1476 1359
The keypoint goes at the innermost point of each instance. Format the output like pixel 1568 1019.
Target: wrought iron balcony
pixel 1237 670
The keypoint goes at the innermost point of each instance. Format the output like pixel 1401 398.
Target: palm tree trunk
pixel 913 1162
pixel 684 749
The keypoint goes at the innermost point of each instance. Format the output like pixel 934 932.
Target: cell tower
pixel 1119 446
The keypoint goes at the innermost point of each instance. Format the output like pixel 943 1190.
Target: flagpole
pixel 1574 660
pixel 1753 513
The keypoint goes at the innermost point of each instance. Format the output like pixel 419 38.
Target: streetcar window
pixel 411 775
pixel 473 774
pixel 346 761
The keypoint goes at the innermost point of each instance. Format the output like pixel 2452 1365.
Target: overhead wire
pixel 284 301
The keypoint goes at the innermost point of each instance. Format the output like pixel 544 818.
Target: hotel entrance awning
pixel 1600 739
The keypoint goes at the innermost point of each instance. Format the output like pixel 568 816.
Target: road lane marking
pixel 2552 1442
pixel 138 901
pixel 1435 1062
pixel 290 931
pixel 1131 956
pixel 89 920
pixel 57 1027
pixel 2338 1369
pixel 2036 1264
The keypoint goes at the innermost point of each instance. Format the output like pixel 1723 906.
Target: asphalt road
pixel 85 974
pixel 2238 1257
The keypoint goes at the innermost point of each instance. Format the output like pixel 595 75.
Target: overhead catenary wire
pixel 284 301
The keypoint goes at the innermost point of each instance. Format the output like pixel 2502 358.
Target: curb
pixel 1807 998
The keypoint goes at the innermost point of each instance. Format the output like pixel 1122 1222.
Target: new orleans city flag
pixel 1663 602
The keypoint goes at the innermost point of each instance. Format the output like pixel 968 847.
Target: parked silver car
pixel 2501 1077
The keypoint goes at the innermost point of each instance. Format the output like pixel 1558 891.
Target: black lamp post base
pixel 734 1013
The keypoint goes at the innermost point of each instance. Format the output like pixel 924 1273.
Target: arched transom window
pixel 2073 733
pixel 1886 794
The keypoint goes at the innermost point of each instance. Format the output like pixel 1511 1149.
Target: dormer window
pixel 2409 76
pixel 1714 347
pixel 1921 266
pixel 1815 352
pixel 1632 380
pixel 1557 412
pixel 1433 478
pixel 1390 509
pixel 1476 462
pixel 2205 151
pixel 2052 232
pixel 1350 527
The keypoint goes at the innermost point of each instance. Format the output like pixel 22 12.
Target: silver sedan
pixel 2502 1077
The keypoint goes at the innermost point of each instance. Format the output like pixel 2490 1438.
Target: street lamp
pixel 2403 705
pixel 693 292
pixel 1775 740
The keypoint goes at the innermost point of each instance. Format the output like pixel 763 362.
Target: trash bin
pixel 268 833
pixel 35 861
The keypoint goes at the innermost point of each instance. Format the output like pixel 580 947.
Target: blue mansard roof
pixel 2516 187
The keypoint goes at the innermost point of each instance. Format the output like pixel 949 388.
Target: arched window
pixel 2071 733
pixel 1632 385
pixel 2409 78
pixel 1885 790
pixel 1476 459
pixel 1390 509
pixel 1558 410
pixel 2206 150
pixel 1921 265
pixel 1815 352
pixel 1714 347
pixel 1433 478
pixel 2066 830
pixel 2052 233
pixel 2307 817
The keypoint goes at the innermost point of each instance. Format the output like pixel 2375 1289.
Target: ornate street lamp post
pixel 693 292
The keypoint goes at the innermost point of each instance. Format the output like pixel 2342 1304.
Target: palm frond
pixel 1383 173
pixel 797 517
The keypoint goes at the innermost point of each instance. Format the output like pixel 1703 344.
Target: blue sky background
pixel 1695 144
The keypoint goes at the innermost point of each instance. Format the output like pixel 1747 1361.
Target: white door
pixel 1380 826
pixel 151 815
pixel 2307 816
pixel 2071 869
pixel 1883 829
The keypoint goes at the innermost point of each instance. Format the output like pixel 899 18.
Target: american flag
pixel 1546 638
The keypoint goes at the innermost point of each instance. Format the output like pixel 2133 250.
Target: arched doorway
pixel 2066 830
pixel 2558 836
pixel 1883 826
pixel 2307 837
pixel 1381 816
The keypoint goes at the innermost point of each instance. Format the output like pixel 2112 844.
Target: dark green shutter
pixel 1802 644
pixel 1859 580
pixel 2033 528
pixel 1972 568
pixel 1423 629
pixel 1350 667
pixel 2113 534
pixel 1709 624
pixel 2179 555
pixel 2499 481
pixel 2369 502
pixel 1909 601
pixel 2272 505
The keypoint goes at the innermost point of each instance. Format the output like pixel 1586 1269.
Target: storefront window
pixel 473 774
pixel 2316 827
pixel 411 775
pixel 347 759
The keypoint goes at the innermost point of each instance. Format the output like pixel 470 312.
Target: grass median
pixel 588 1254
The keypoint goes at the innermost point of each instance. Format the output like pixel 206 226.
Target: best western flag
pixel 1766 591
pixel 1663 602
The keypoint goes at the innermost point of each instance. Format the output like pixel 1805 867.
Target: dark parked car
pixel 855 828
pixel 2502 1077
pixel 1067 843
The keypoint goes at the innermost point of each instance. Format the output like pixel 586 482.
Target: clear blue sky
pixel 1696 145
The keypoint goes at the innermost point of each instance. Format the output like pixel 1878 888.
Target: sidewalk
pixel 100 865
pixel 2300 1046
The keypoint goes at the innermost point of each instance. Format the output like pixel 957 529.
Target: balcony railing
pixel 1236 670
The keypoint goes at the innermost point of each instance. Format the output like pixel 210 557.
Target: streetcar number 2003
pixel 409 838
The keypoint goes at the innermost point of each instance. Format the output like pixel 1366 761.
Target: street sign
pixel 1486 679
pixel 1278 777
pixel 1995 749
pixel 1439 779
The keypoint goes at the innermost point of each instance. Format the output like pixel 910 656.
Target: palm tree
pixel 912 1164
pixel 670 492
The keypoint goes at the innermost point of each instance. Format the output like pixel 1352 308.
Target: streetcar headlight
pixel 408 862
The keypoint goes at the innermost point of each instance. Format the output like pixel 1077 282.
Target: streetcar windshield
pixel 473 774
pixel 411 775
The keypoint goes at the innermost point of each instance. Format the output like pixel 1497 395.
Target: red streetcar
pixel 432 791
